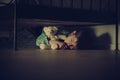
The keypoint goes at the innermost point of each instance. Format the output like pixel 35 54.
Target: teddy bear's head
pixel 50 31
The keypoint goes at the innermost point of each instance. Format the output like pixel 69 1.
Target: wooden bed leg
pixel 15 30
pixel 117 25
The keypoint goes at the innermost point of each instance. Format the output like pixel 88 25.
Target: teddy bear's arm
pixel 63 37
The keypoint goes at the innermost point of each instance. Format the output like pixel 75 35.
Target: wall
pixel 98 37
pixel 107 32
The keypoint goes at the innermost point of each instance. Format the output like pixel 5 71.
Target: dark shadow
pixel 89 41
pixel 5 43
pixel 36 31
pixel 103 41
pixel 87 38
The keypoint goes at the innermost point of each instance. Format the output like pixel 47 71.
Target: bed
pixel 43 15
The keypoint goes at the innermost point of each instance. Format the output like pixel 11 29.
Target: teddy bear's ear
pixel 55 28
pixel 44 28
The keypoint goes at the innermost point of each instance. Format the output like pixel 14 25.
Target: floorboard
pixel 38 64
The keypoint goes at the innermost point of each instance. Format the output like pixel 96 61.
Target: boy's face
pixel 72 41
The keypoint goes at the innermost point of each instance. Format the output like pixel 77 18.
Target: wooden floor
pixel 59 65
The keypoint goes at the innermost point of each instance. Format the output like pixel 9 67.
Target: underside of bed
pixel 56 14
pixel 64 14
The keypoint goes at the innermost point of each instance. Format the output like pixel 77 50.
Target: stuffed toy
pixel 49 34
pixel 70 42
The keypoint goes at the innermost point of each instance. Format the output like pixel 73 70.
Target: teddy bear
pixel 48 35
pixel 70 42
